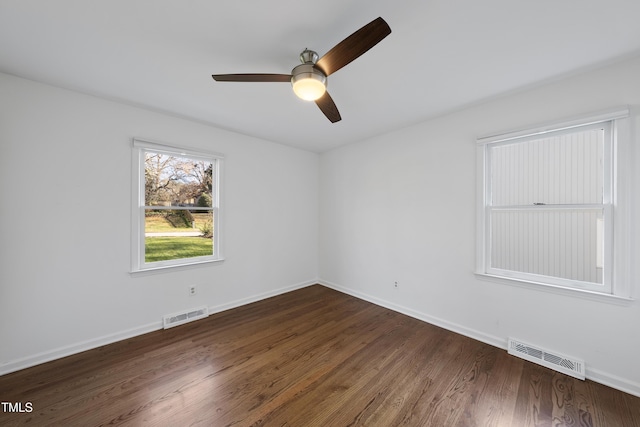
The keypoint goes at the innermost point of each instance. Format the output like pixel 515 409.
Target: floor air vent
pixel 185 316
pixel 557 362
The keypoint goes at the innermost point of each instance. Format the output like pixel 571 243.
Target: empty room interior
pixel 450 238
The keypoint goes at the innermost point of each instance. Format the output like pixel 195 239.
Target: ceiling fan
pixel 309 79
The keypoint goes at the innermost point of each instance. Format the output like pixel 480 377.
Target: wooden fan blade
pixel 284 78
pixel 328 107
pixel 354 46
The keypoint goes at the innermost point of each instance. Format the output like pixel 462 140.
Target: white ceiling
pixel 442 55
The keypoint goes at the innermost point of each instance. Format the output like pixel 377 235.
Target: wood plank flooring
pixel 312 357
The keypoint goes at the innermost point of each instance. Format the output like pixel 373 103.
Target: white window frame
pixel 615 207
pixel 140 147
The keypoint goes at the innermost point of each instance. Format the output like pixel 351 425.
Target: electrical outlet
pixel 396 284
pixel 192 290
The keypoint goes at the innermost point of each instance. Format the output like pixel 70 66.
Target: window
pixel 547 204
pixel 176 214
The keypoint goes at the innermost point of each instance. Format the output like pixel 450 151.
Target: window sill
pixel 559 290
pixel 174 267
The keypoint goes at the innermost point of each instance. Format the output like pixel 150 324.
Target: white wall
pixel 65 200
pixel 401 207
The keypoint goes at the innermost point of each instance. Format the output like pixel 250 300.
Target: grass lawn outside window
pixel 166 239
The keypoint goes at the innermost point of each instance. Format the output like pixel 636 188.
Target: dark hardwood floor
pixel 312 357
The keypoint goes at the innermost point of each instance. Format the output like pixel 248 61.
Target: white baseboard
pixel 471 333
pixel 595 375
pixel 260 297
pixel 58 353
pixel 613 381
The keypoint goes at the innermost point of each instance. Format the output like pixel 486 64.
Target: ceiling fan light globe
pixel 309 89
pixel 308 82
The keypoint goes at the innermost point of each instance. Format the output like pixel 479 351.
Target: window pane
pixel 562 169
pixel 177 181
pixel 178 233
pixel 558 243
